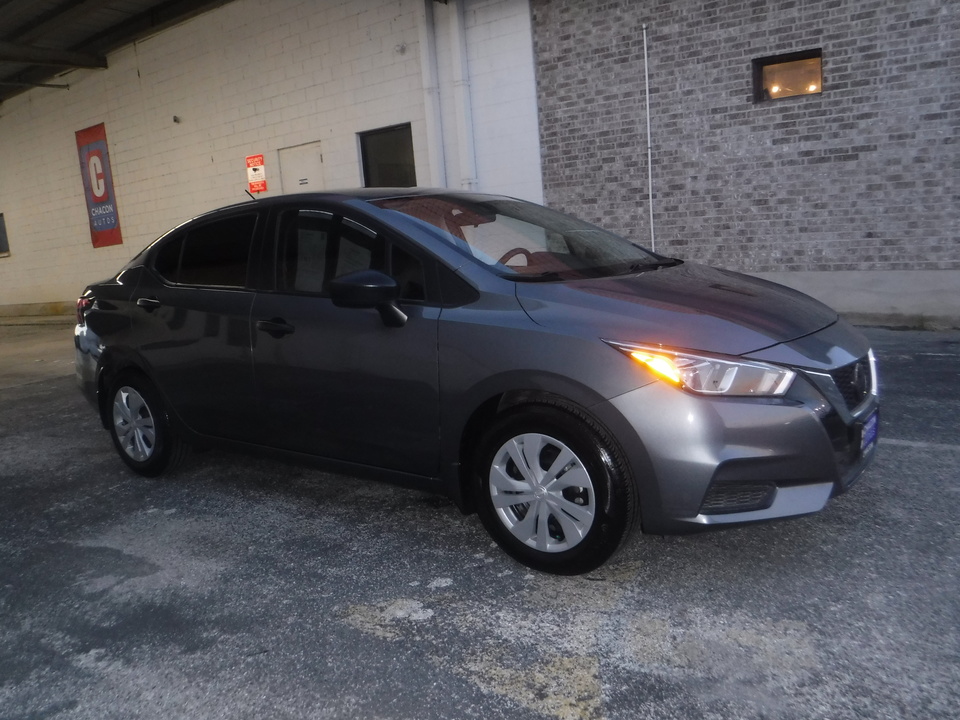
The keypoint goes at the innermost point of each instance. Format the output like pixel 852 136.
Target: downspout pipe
pixel 430 79
pixel 646 82
pixel 466 148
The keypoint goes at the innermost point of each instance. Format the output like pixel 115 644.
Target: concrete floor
pixel 30 353
pixel 245 588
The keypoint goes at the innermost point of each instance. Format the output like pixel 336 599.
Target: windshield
pixel 524 241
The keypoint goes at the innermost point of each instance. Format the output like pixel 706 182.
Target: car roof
pixel 330 196
pixel 362 194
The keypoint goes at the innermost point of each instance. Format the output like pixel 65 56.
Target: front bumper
pixel 714 461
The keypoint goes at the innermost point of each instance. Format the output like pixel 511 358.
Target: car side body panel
pixel 343 385
pixel 195 345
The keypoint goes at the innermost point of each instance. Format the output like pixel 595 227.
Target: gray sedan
pixel 562 382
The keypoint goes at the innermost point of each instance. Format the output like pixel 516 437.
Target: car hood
pixel 685 306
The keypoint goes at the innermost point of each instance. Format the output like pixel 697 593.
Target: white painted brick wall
pixel 502 91
pixel 506 130
pixel 250 77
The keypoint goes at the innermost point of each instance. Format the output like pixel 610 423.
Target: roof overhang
pixel 41 40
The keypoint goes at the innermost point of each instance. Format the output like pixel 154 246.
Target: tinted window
pixel 360 249
pixel 217 253
pixel 408 272
pixel 167 260
pixel 4 247
pixel 387 157
pixel 313 248
pixel 303 247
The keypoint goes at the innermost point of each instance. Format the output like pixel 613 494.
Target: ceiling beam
pixel 55 86
pixel 39 71
pixel 53 17
pixel 161 16
pixel 33 55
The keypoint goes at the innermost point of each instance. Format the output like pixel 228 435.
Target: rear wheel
pixel 140 428
pixel 553 489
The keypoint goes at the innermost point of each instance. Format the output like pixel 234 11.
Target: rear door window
pixel 215 254
pixel 167 260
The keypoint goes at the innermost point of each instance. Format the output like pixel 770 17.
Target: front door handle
pixel 277 327
pixel 148 303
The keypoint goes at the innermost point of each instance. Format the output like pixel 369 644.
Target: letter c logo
pixel 98 185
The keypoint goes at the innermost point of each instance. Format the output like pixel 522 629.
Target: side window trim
pixel 351 223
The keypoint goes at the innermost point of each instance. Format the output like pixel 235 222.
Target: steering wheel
pixel 511 254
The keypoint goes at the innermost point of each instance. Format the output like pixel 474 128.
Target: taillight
pixel 83 304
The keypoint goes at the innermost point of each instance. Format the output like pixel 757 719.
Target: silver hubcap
pixel 134 424
pixel 542 492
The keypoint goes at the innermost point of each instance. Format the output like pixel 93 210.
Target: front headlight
pixel 708 375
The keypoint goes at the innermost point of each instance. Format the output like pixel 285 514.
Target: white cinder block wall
pixel 500 66
pixel 250 78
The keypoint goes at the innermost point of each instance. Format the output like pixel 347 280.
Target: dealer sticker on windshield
pixel 868 436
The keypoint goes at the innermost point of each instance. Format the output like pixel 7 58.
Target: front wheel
pixel 141 431
pixel 553 489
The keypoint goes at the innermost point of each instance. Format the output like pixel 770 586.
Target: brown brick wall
pixel 861 177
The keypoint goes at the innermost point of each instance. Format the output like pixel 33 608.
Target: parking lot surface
pixel 246 588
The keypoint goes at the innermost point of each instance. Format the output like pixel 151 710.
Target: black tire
pixel 571 514
pixel 140 427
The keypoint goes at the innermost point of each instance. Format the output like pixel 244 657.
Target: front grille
pixel 846 447
pixel 731 498
pixel 854 382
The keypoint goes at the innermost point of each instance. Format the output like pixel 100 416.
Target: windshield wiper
pixel 537 277
pixel 656 265
pixel 586 273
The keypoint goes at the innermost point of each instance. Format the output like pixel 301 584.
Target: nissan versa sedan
pixel 565 384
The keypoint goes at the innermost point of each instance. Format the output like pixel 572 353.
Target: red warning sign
pixel 256 175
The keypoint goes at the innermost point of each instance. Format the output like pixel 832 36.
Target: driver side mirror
pixel 366 289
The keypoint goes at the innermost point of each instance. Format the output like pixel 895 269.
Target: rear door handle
pixel 148 303
pixel 277 327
